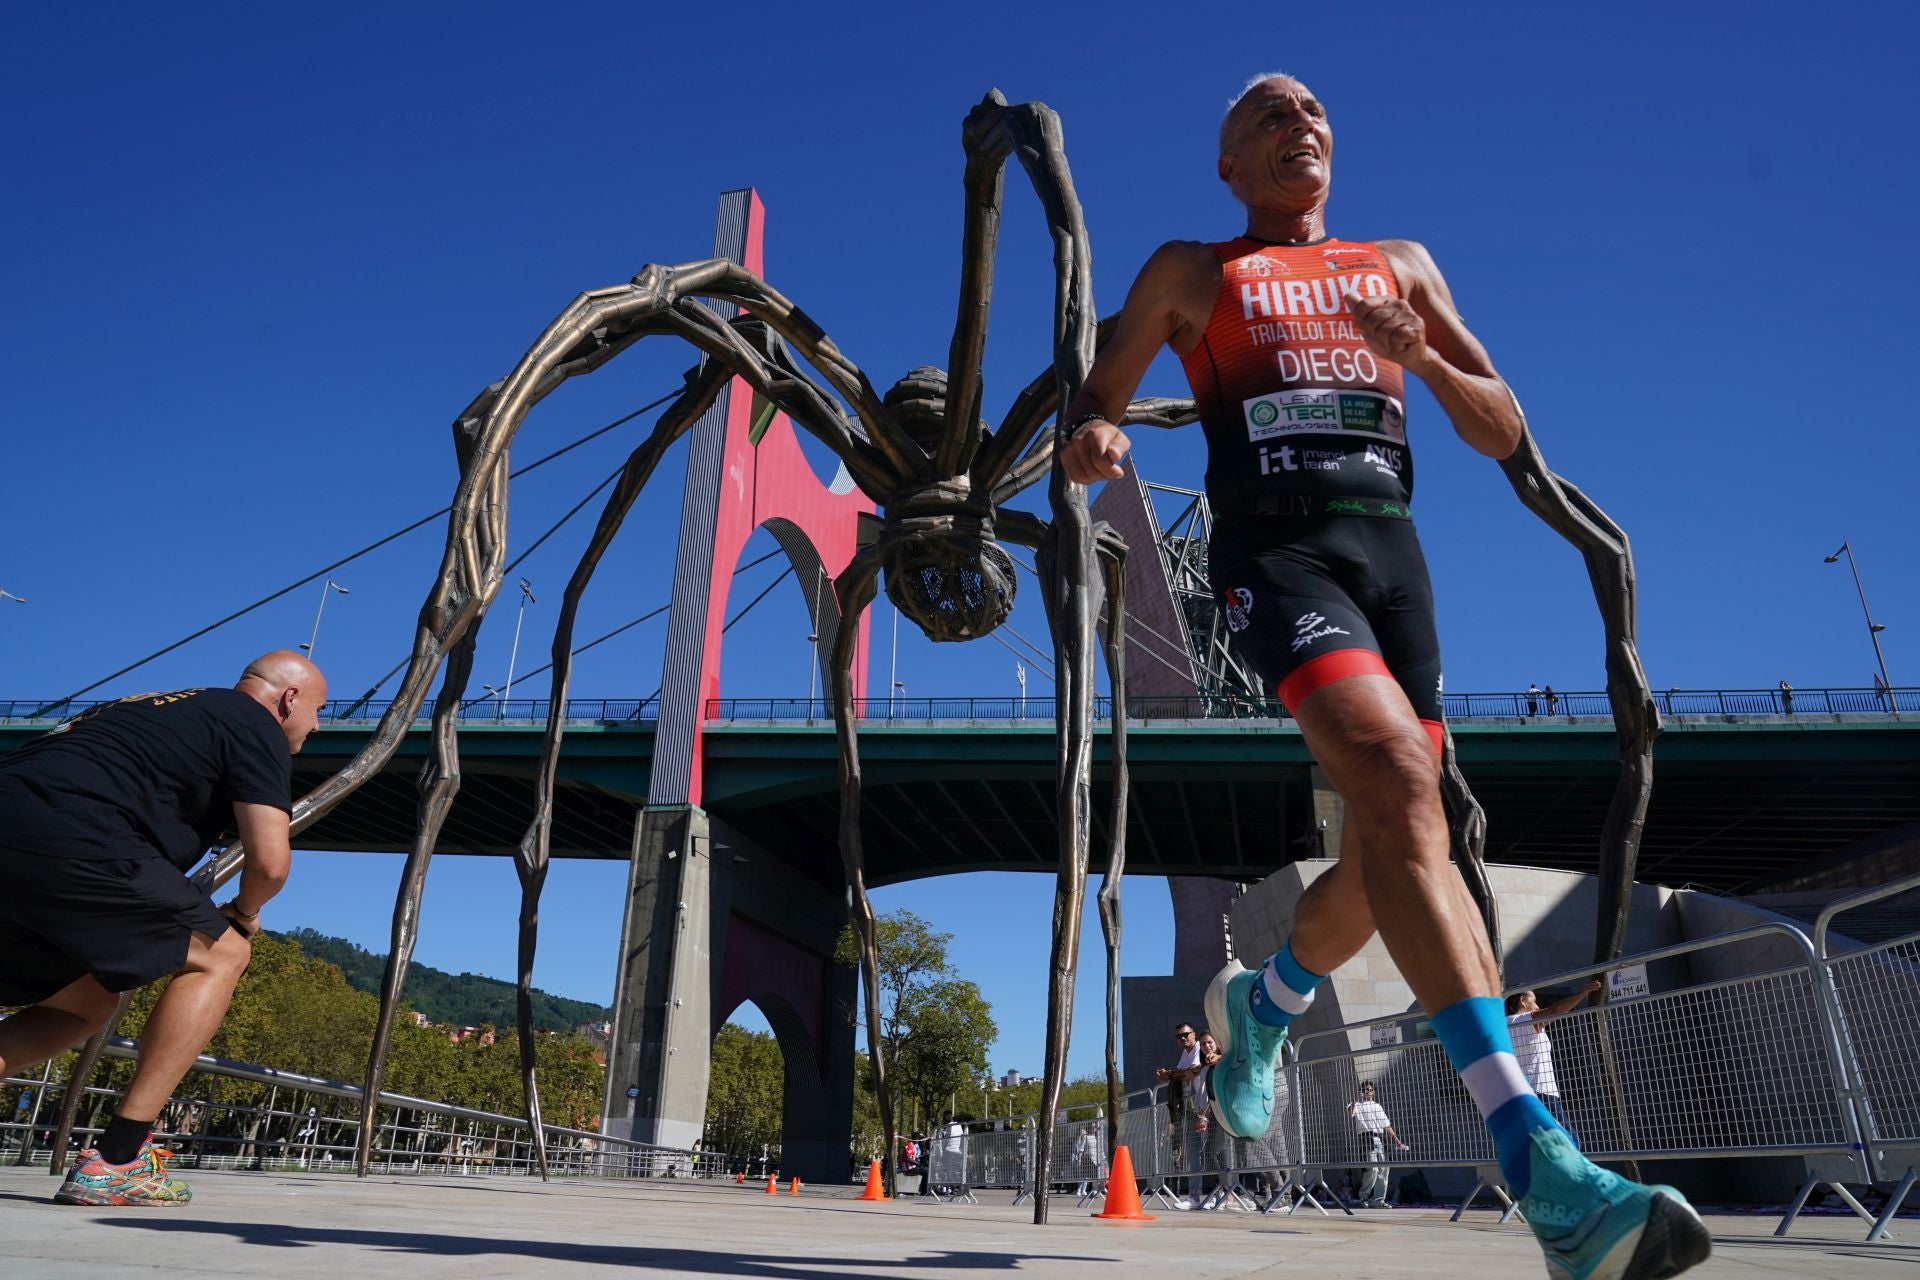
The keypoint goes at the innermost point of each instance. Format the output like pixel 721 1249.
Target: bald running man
pixel 99 822
pixel 1297 345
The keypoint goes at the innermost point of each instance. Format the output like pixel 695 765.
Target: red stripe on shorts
pixel 1314 675
pixel 1438 732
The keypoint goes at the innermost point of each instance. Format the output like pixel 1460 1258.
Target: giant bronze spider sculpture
pixel 921 452
pixel 939 475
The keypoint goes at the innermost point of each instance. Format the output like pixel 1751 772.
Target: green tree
pixel 745 1092
pixel 935 1026
pixel 297 1012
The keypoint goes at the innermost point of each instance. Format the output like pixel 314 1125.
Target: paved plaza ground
pixel 294 1226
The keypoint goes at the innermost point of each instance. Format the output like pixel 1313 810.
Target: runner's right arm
pixel 1161 304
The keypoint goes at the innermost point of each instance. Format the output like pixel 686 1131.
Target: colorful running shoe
pixel 144 1182
pixel 1596 1225
pixel 1242 1083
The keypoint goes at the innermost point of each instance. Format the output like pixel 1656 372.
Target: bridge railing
pixel 1539 707
pixel 475 711
pixel 1526 706
pixel 291 1121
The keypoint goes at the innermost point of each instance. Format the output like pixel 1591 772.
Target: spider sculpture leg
pixel 1031 131
pixel 1113 563
pixel 1636 720
pixel 854 588
pixel 1467 832
pixel 535 847
pixel 596 327
pixel 439 783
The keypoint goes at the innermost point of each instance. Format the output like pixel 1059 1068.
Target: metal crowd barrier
pixel 313 1125
pixel 1817 1059
pixel 1876 994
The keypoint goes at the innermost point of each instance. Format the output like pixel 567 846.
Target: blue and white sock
pixel 1284 989
pixel 1474 1032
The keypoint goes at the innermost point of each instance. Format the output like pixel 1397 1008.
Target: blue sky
pixel 259 257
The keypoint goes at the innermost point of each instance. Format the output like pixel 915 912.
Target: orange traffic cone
pixel 739 1177
pixel 794 1190
pixel 1123 1198
pixel 874 1191
pixel 772 1187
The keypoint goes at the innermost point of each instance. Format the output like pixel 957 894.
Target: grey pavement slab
pixel 291 1226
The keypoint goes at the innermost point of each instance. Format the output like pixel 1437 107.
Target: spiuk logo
pixel 1309 627
pixel 1260 264
pixel 1239 609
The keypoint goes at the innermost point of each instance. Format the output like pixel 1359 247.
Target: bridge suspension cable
pixel 322 572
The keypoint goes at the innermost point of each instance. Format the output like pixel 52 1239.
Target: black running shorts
pixel 125 921
pixel 1314 599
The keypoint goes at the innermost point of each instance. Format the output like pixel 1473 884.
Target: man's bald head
pixel 289 686
pixel 281 669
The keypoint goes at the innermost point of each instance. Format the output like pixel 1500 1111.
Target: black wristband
pixel 1073 428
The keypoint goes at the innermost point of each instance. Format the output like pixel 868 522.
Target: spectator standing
pixel 1372 1130
pixel 1533 699
pixel 1175 1078
pixel 1086 1158
pixel 952 1152
pixel 1533 1048
pixel 1213 1145
pixel 1553 700
pixel 1786 698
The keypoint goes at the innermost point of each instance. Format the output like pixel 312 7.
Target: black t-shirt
pixel 155 775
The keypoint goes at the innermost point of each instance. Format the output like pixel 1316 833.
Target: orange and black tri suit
pixel 1314 555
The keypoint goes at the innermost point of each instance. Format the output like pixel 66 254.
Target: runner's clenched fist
pixel 1393 330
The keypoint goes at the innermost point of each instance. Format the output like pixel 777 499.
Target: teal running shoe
pixel 1242 1082
pixel 1596 1225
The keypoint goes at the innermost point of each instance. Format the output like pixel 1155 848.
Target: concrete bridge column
pixel 713 922
pixel 659 1056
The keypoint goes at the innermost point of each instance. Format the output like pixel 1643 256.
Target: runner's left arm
pixel 1424 334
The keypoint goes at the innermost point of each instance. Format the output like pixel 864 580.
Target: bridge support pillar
pixel 660 1050
pixel 713 922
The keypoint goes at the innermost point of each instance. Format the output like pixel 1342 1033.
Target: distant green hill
pixel 467 999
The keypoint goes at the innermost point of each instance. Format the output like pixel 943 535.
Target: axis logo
pixel 1386 458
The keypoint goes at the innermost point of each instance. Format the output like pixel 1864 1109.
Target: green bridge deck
pixel 1735 797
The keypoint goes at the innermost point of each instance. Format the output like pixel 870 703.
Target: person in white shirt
pixel 1533 1047
pixel 1372 1130
pixel 1185 1144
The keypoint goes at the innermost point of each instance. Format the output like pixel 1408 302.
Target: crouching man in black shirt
pixel 99 822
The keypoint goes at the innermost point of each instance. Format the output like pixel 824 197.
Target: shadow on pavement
pixel 792 1266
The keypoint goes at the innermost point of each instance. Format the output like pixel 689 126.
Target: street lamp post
pixel 1873 628
pixel 813 638
pixel 1020 674
pixel 893 663
pixel 325 591
pixel 526 598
